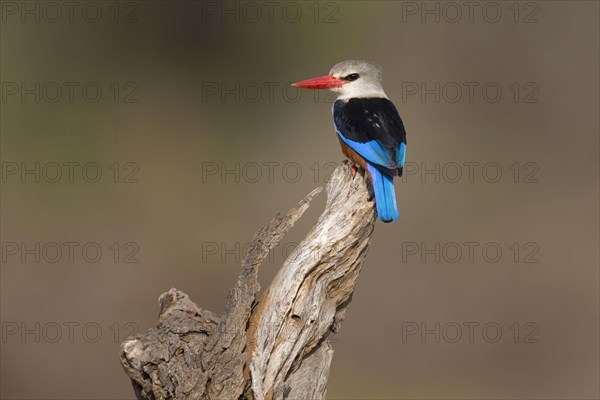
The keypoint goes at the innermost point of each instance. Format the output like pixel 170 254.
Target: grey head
pixel 361 79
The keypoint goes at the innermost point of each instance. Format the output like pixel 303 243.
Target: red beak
pixel 322 82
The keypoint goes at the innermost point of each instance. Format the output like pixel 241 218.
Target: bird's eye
pixel 351 77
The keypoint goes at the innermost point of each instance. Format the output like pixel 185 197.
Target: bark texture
pixel 276 347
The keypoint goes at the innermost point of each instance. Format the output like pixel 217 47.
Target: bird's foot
pixel 354 168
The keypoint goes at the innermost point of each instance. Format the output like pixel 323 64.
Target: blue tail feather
pixel 385 197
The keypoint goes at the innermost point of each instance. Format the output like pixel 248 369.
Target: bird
pixel 368 125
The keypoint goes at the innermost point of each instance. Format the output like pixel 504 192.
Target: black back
pixel 365 119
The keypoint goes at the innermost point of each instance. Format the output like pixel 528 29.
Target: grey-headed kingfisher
pixel 368 126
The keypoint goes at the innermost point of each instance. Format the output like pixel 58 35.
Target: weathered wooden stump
pixel 276 347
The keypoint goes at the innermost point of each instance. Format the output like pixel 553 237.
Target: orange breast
pixel 352 155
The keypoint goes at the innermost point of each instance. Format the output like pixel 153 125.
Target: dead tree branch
pixel 274 348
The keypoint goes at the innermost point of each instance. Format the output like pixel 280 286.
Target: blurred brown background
pixel 192 90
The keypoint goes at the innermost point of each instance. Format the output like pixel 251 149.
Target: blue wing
pixel 373 128
pixel 373 152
